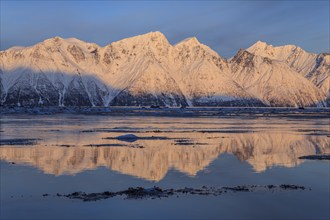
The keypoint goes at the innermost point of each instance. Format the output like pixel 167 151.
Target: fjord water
pixel 72 153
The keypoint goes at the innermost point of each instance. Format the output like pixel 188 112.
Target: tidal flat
pixel 147 164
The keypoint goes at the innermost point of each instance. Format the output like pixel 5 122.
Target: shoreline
pixel 174 112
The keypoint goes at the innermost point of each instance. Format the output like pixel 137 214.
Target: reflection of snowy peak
pixel 261 150
pixel 145 70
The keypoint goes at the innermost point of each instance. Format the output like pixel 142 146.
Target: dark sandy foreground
pixel 156 192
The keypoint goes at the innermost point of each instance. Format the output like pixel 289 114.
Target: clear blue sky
pixel 225 26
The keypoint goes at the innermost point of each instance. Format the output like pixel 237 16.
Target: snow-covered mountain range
pixel 147 70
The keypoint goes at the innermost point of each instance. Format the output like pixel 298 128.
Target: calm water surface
pixel 82 153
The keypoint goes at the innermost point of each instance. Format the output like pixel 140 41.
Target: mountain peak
pixel 59 40
pixel 275 52
pixel 192 40
pixel 73 40
pixel 260 44
pixel 151 37
pixel 146 69
pixel 189 41
pixel 54 39
pixel 154 34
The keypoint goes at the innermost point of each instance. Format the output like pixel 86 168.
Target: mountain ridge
pixel 146 69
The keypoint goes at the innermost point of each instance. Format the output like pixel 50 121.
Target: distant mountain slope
pixel 315 67
pixel 273 81
pixel 152 86
pixel 147 70
pixel 298 59
pixel 204 77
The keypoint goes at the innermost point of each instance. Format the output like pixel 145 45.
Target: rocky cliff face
pixel 146 70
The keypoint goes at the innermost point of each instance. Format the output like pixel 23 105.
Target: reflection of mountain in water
pixel 261 150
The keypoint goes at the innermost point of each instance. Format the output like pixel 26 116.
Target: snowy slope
pixel 315 67
pixel 204 77
pixel 321 72
pixel 144 70
pixel 151 86
pixel 273 81
pixel 298 59
pixel 63 71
